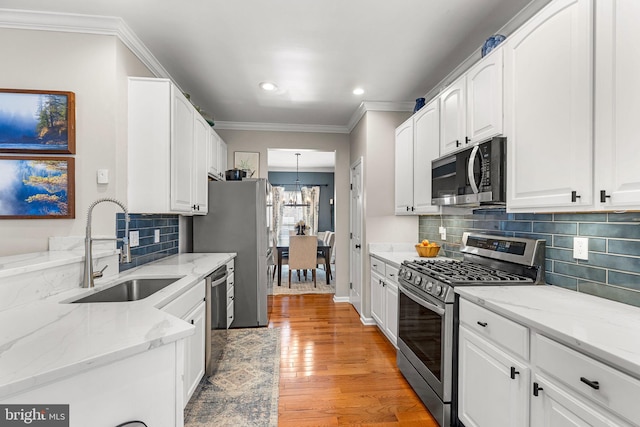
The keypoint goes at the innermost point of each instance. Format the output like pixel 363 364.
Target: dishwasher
pixel 215 318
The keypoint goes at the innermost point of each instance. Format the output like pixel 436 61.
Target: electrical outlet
pixel 443 233
pixel 134 238
pixel 581 248
pixel 156 236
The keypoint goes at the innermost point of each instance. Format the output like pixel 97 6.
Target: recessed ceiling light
pixel 358 91
pixel 268 86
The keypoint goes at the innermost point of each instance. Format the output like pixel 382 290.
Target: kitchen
pixel 88 59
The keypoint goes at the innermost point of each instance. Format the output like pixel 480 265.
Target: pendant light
pixel 295 199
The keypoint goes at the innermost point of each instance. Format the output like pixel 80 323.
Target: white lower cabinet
pixel 500 385
pixel 230 292
pixel 190 307
pixel 384 298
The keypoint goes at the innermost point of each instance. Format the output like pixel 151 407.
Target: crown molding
pixel 377 106
pixel 86 24
pixel 280 127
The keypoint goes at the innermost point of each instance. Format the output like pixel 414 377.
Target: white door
pixel 548 83
pixel 453 110
pixel 404 168
pixel 618 102
pixel 355 292
pixel 484 98
pixel 426 147
pixel 181 151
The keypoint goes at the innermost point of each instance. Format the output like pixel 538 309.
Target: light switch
pixel 156 236
pixel 443 233
pixel 103 176
pixel 134 238
pixel 581 248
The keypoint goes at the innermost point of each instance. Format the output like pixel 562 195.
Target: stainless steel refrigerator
pixel 238 221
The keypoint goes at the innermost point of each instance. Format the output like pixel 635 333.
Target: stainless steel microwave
pixel 474 176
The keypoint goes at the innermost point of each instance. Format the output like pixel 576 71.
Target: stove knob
pixel 407 275
pixel 418 280
pixel 438 290
pixel 429 286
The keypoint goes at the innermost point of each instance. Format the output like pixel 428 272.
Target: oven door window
pixel 422 331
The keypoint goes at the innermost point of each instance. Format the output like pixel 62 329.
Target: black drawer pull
pixel 593 384
pixel 536 389
pixel 483 324
pixel 514 373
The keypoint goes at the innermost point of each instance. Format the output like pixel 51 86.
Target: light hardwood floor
pixel 336 371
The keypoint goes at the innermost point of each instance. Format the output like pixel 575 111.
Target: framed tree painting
pixel 37 187
pixel 40 122
pixel 248 162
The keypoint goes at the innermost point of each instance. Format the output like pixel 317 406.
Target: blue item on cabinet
pixel 419 104
pixel 491 43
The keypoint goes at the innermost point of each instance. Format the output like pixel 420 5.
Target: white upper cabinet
pixel 548 82
pixel 217 164
pixel 426 132
pixel 165 146
pixel 200 188
pixel 453 110
pixel 404 168
pixel 617 153
pixel 484 98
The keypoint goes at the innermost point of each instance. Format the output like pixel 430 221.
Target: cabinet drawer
pixel 182 305
pixel 615 390
pixel 378 266
pixel 230 294
pixel 231 265
pixel 508 334
pixel 230 315
pixel 230 282
pixel 391 273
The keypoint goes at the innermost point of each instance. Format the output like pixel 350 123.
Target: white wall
pixel 261 141
pixel 94 67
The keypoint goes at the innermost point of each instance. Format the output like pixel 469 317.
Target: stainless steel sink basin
pixel 130 290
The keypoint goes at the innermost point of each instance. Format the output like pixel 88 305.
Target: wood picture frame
pixel 37 187
pixel 37 121
pixel 248 161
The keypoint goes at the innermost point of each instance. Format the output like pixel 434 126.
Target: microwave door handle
pixel 472 162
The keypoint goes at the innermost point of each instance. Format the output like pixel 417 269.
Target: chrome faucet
pixel 125 253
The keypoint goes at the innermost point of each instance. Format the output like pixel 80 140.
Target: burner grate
pixel 456 272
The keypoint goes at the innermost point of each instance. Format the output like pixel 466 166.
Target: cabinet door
pixel 548 108
pixel 555 406
pixel 222 158
pixel 484 98
pixel 199 170
pixel 404 168
pixel 618 102
pixel 426 147
pixel 377 298
pixel 214 155
pixel 488 396
pixel 181 152
pixel 391 313
pixel 453 117
pixel 194 352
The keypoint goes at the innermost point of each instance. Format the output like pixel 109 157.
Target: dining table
pixel 282 246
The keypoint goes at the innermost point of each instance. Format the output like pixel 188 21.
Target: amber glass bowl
pixel 427 251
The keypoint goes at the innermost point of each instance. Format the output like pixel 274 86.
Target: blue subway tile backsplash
pixel 613 268
pixel 146 225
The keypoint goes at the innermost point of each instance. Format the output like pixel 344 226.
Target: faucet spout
pixel 125 253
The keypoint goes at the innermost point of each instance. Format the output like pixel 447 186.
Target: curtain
pixel 311 195
pixel 278 209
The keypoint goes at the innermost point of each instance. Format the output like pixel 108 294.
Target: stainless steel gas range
pixel 427 313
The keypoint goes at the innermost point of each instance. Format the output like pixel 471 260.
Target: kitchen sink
pixel 130 290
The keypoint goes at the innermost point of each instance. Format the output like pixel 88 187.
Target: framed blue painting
pixel 37 187
pixel 41 122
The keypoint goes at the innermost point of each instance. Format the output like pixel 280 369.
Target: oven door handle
pixel 423 302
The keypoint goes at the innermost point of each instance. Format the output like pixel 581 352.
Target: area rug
pixel 244 389
pixel 303 286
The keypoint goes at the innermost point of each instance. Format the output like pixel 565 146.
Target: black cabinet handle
pixel 593 384
pixel 574 196
pixel 457 143
pixel 604 196
pixel 358 246
pixel 483 324
pixel 407 208
pixel 536 389
pixel 375 265
pixel 412 209
pixel 192 321
pixel 514 373
pixel 467 139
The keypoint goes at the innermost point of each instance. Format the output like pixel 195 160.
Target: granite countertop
pixel 50 339
pixel 604 329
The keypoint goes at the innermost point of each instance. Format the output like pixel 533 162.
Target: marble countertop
pixel 395 253
pixel 51 339
pixel 604 329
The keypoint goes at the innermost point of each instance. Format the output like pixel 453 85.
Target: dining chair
pixel 321 260
pixel 303 255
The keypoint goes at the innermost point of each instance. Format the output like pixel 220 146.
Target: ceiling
pixel 317 52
